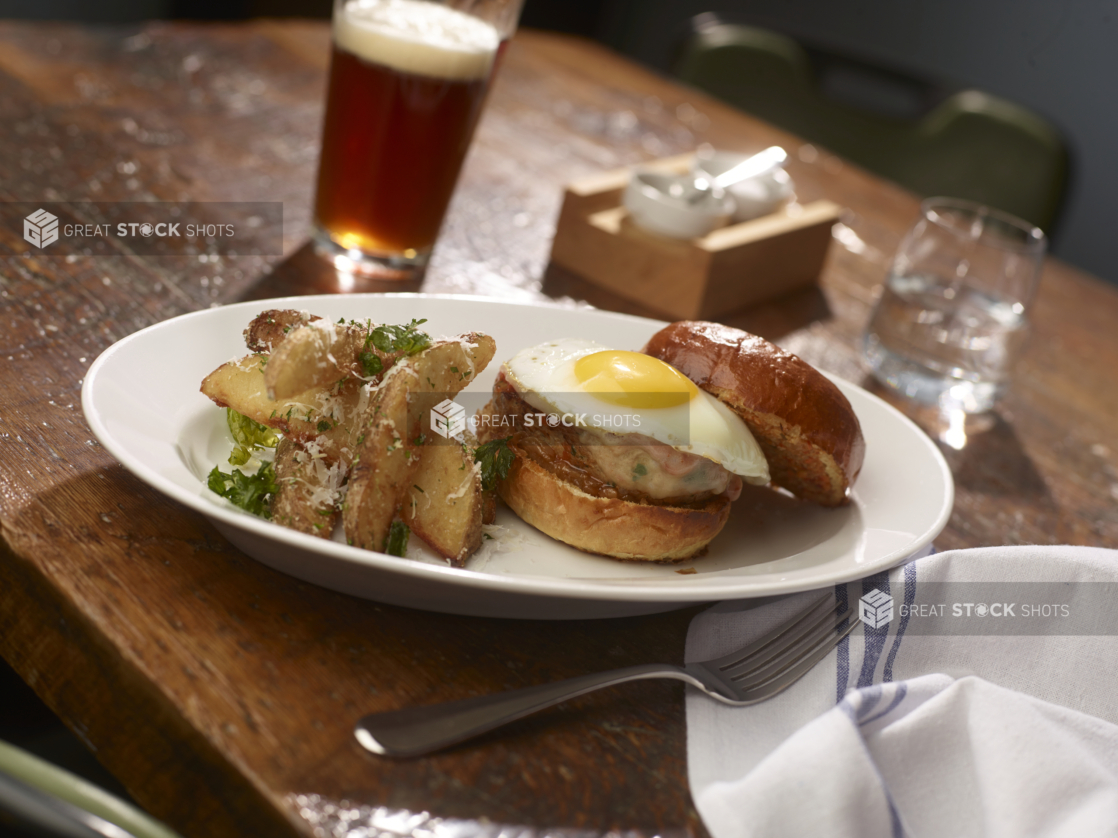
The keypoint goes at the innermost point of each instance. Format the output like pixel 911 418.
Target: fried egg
pixel 581 383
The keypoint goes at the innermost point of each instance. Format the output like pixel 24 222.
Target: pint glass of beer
pixel 407 82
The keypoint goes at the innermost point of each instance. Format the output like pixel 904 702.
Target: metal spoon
pixel 761 163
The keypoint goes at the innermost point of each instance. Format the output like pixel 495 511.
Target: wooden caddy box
pixel 731 268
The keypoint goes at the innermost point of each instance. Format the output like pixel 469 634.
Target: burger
pixel 639 455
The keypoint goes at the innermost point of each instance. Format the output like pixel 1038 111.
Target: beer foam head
pixel 415 36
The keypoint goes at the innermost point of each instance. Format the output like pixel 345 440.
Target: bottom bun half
pixel 609 526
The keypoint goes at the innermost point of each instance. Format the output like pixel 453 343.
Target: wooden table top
pixel 222 693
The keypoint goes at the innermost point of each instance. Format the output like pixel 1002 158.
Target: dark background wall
pixel 1057 57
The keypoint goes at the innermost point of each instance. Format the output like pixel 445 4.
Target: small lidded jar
pixel 753 198
pixel 669 205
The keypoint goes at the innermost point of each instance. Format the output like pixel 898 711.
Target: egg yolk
pixel 630 379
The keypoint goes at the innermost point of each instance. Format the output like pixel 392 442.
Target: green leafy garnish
pixel 252 493
pixel 248 436
pixel 406 339
pixel 495 458
pixel 323 426
pixel 371 363
pixel 639 471
pixel 397 542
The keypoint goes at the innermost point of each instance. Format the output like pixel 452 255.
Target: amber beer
pixel 407 82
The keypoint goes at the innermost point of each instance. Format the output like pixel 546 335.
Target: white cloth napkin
pixel 924 735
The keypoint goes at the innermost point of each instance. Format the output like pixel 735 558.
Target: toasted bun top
pixel 758 378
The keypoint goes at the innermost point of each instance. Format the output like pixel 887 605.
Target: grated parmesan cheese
pixel 498 539
pixel 463 488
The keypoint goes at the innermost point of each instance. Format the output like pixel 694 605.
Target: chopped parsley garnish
pixel 397 542
pixel 495 458
pixel 639 471
pixel 371 363
pixel 405 339
pixel 252 493
pixel 248 436
pixel 323 426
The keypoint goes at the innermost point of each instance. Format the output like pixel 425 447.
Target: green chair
pixel 970 145
pixel 47 800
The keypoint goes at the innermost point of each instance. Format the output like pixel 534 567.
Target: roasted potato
pixel 325 415
pixel 303 360
pixel 445 505
pixel 388 441
pixel 307 490
pixel 321 354
pixel 268 329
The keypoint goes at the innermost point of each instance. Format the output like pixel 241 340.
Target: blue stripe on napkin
pixel 842 663
pixel 909 598
pixel 874 638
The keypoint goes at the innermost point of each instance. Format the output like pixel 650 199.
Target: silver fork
pixel 751 674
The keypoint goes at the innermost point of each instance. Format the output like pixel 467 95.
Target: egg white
pixel 544 376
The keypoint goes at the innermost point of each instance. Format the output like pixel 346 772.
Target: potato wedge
pixel 445 505
pixel 323 414
pixel 382 468
pixel 387 441
pixel 302 361
pixel 308 490
pixel 269 328
pixel 320 354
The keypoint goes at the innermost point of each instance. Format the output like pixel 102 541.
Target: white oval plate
pixel 141 399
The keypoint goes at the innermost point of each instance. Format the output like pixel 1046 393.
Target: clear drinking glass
pixel 953 313
pixel 408 79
